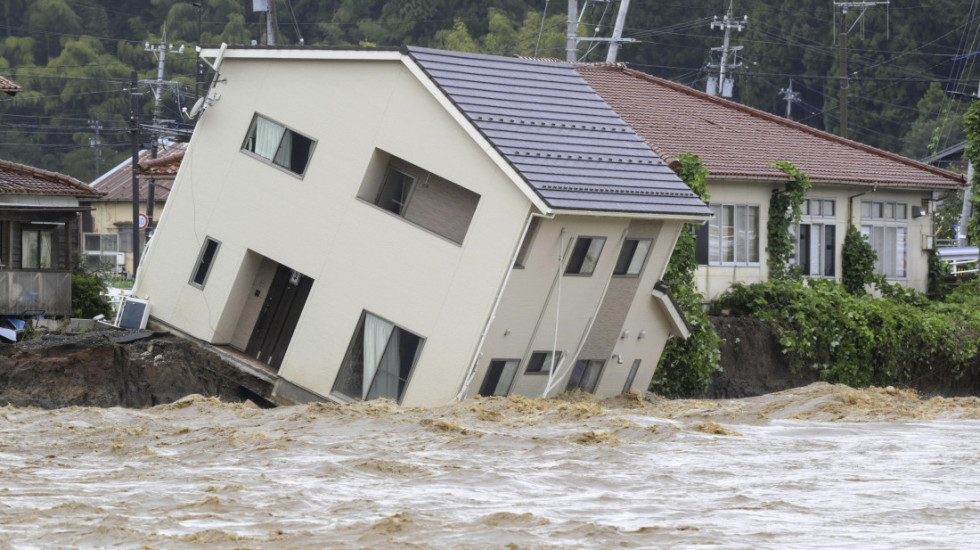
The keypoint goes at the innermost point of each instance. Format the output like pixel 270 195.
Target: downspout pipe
pixel 850 204
pixel 496 304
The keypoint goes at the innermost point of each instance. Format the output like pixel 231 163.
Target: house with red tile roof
pixel 889 197
pixel 38 237
pixel 107 230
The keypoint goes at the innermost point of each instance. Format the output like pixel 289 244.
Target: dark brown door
pixel 280 313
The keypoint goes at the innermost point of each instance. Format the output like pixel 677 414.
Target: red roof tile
pixel 117 184
pixel 26 180
pixel 738 142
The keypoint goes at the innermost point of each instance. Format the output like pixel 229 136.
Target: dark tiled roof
pixel 8 86
pixel 559 135
pixel 117 184
pixel 26 180
pixel 735 141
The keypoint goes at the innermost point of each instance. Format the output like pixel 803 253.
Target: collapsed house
pixel 418 225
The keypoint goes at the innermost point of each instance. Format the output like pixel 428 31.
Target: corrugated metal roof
pixel 117 184
pixel 738 142
pixel 566 142
pixel 26 180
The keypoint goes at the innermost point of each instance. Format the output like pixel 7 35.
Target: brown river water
pixel 816 467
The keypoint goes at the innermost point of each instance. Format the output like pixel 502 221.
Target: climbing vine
pixel 784 211
pixel 686 366
pixel 971 123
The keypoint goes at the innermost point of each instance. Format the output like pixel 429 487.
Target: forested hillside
pixel 74 57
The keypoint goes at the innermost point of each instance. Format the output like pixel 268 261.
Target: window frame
pixel 52 253
pixel 545 362
pixel 571 255
pixel 249 135
pixel 198 264
pixel 631 376
pixel 589 364
pixel 359 329
pixel 510 384
pixel 643 262
pixel 718 210
pixel 880 262
pixel 384 185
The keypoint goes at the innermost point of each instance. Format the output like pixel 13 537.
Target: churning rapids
pixel 821 466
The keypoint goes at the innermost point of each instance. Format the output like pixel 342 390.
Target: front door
pixel 280 313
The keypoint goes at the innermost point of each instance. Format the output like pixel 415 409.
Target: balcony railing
pixel 35 293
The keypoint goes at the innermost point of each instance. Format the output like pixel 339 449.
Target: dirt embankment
pixel 102 369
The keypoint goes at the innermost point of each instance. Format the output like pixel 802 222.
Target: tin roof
pixel 26 180
pixel 567 143
pixel 117 184
pixel 8 86
pixel 738 142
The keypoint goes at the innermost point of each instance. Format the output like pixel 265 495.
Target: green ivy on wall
pixel 784 211
pixel 686 366
pixel 971 122
pixel 858 259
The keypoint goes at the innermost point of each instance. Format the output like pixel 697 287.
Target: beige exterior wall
pixel 713 280
pixel 592 310
pixel 360 256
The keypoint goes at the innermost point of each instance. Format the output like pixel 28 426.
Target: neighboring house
pixel 418 225
pixel 38 210
pixel 889 197
pixel 107 231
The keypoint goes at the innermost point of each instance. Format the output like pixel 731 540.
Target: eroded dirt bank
pixel 102 369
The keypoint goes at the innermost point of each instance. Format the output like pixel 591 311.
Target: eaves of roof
pixel 22 179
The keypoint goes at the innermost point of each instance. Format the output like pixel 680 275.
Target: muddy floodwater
pixel 817 467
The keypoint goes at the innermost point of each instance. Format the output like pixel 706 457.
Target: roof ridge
pixel 783 121
pixel 56 177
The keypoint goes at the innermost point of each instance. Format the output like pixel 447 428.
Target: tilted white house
pixel 418 225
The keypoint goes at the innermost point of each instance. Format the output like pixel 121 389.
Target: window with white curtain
pixel 890 242
pixel 379 361
pixel 37 249
pixel 278 144
pixel 733 234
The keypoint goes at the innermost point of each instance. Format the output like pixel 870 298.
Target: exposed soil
pixel 752 360
pixel 99 369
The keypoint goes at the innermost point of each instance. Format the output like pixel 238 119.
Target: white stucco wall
pixel 713 280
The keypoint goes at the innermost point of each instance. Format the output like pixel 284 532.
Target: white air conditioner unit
pixel 120 261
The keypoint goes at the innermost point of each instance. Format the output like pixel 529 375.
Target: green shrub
pixel 863 340
pixel 86 298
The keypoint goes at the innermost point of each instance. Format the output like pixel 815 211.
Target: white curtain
pixel 267 137
pixel 47 247
pixel 376 335
pixel 285 152
pixel 29 256
pixel 389 369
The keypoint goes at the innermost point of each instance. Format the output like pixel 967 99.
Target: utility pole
pixel 843 31
pixel 134 129
pixel 571 44
pixel 159 84
pixel 96 143
pixel 271 22
pixel 617 36
pixel 728 57
pixel 790 97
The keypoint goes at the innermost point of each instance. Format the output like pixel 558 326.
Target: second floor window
pixel 279 145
